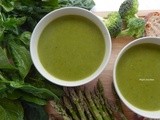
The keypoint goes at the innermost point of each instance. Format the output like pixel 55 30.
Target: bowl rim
pixel 54 15
pixel 142 112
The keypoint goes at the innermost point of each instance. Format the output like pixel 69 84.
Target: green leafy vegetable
pixel 11 110
pixel 87 4
pixel 7 5
pixel 38 92
pixel 22 58
pixel 4 61
pixel 25 38
pixel 34 112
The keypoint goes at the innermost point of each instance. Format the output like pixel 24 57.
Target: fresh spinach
pixel 87 4
pixel 21 58
pixel 11 110
pixel 4 61
pixel 34 112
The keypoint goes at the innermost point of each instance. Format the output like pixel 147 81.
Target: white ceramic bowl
pixel 54 15
pixel 145 113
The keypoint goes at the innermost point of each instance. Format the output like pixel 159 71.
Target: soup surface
pixel 138 76
pixel 71 47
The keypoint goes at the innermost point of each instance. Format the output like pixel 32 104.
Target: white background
pixel 113 5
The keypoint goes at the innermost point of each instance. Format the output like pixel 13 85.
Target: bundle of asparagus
pixel 78 104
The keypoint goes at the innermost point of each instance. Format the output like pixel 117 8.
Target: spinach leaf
pixel 11 110
pixel 39 92
pixel 1 34
pixel 32 99
pixel 25 38
pixel 21 58
pixel 3 89
pixel 34 112
pixel 6 5
pixel 17 89
pixel 37 80
pixel 87 4
pixel 4 61
pixel 10 24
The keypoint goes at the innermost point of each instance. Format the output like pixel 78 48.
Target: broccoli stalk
pixel 128 9
pixel 135 28
pixel 114 23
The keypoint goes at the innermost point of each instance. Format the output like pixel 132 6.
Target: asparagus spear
pixel 100 92
pixel 68 105
pixel 92 106
pixel 111 106
pixel 99 104
pixel 76 101
pixel 85 105
pixel 118 104
pixel 59 109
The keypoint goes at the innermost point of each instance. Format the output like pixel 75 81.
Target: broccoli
pixel 135 28
pixel 114 23
pixel 128 9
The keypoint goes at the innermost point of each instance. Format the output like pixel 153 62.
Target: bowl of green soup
pixel 70 46
pixel 137 76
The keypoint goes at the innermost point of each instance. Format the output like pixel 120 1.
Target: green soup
pixel 138 76
pixel 71 47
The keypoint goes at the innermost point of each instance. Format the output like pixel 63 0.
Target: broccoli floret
pixel 135 28
pixel 114 23
pixel 128 9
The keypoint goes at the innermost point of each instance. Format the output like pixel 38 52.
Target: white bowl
pixel 142 112
pixel 54 15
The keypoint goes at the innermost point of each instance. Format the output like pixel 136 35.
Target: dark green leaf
pixel 4 62
pixel 1 34
pixel 14 95
pixel 53 3
pixel 39 92
pixel 2 78
pixel 34 112
pixel 10 22
pixel 22 58
pixel 33 99
pixel 87 4
pixel 3 114
pixel 3 89
pixel 6 5
pixel 18 94
pixel 11 110
pixel 25 38
pixel 36 79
